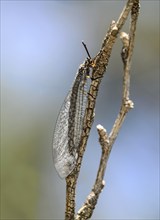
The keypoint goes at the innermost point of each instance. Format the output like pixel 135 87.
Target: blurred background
pixel 40 53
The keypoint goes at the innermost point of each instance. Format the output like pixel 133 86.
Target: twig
pixel 99 64
pixel 107 142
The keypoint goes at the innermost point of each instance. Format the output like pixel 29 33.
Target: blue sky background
pixel 40 53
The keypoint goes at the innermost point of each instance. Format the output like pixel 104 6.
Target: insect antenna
pixel 85 47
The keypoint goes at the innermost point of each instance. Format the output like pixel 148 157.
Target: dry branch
pixel 99 64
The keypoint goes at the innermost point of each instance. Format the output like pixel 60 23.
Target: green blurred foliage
pixel 20 177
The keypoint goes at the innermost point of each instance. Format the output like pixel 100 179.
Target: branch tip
pixel 124 38
pixel 129 104
pixel 102 132
pixel 103 183
pixel 113 22
pixel 100 127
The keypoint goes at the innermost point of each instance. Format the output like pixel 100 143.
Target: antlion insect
pixel 69 123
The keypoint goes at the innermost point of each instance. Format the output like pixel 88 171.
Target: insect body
pixel 69 124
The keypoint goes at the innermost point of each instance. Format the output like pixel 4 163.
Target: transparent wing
pixel 63 160
pixel 68 129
